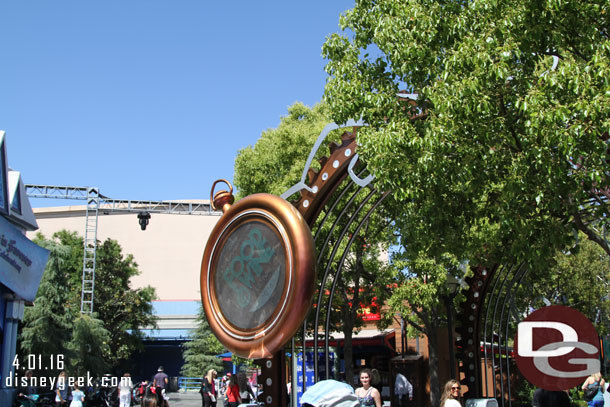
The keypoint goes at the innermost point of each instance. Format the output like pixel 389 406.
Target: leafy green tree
pixel 510 146
pixel 579 278
pixel 276 163
pixel 200 353
pixel 47 325
pixel 89 343
pixel 124 310
pixel 119 309
pixel 421 299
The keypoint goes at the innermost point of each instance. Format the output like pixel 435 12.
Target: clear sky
pixel 151 99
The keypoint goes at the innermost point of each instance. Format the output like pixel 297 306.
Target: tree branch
pixel 416 325
pixel 580 225
pixel 511 130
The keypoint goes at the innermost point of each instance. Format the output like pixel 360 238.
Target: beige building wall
pixel 168 252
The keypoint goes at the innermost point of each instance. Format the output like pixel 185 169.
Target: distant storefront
pixel 22 263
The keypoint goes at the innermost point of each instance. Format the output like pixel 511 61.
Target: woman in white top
pixel 451 394
pixel 125 390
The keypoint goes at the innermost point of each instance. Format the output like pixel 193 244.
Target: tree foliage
pixel 88 346
pixel 47 324
pixel 54 324
pixel 510 146
pixel 276 163
pixel 200 353
pixel 579 278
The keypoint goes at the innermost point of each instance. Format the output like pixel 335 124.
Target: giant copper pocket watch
pixel 257 273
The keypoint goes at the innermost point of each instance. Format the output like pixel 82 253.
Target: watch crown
pixel 223 199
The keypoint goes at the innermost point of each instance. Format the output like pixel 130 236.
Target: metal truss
pixel 96 203
pixel 107 205
pixel 90 249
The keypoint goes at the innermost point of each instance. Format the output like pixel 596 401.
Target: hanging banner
pixel 22 261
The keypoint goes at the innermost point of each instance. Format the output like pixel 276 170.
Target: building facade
pixel 22 264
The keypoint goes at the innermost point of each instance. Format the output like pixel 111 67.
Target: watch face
pixel 257 275
pixel 250 274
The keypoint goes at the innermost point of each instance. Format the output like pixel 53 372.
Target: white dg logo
pixel 525 334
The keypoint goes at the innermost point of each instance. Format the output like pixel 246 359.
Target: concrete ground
pixel 189 399
pixel 185 399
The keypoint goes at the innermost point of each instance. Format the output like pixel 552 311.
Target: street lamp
pixel 453 288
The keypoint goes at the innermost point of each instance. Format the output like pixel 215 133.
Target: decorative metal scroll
pixel 488 322
pixel 336 201
pixel 302 185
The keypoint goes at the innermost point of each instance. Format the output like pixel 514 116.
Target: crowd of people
pixel 331 393
pixel 232 389
pixel 116 392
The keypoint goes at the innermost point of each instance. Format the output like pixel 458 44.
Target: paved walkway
pixel 190 399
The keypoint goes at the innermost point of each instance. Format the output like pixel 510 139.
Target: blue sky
pixel 150 99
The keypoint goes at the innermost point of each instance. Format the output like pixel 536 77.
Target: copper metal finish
pixel 333 170
pixel 294 236
pixel 223 199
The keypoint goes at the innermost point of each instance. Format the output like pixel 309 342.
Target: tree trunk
pixel 435 389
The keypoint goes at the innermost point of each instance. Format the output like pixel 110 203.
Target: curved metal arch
pixel 514 273
pixel 520 273
pixel 338 274
pixel 332 209
pixel 331 189
pixel 498 288
pixel 491 296
pixel 323 284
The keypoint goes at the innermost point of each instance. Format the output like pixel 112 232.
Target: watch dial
pixel 250 274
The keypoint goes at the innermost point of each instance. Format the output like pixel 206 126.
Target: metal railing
pixel 189 383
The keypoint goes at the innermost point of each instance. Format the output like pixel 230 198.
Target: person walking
pixel 208 389
pixel 367 395
pixel 232 394
pixel 160 382
pixel 451 394
pixel 125 387
pixel 245 391
pixel 595 381
pixel 77 397
pixel 61 390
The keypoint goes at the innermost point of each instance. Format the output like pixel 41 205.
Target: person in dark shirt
pixel 547 398
pixel 160 382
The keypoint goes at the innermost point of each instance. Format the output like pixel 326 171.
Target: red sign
pixel 366 312
pixel 556 348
